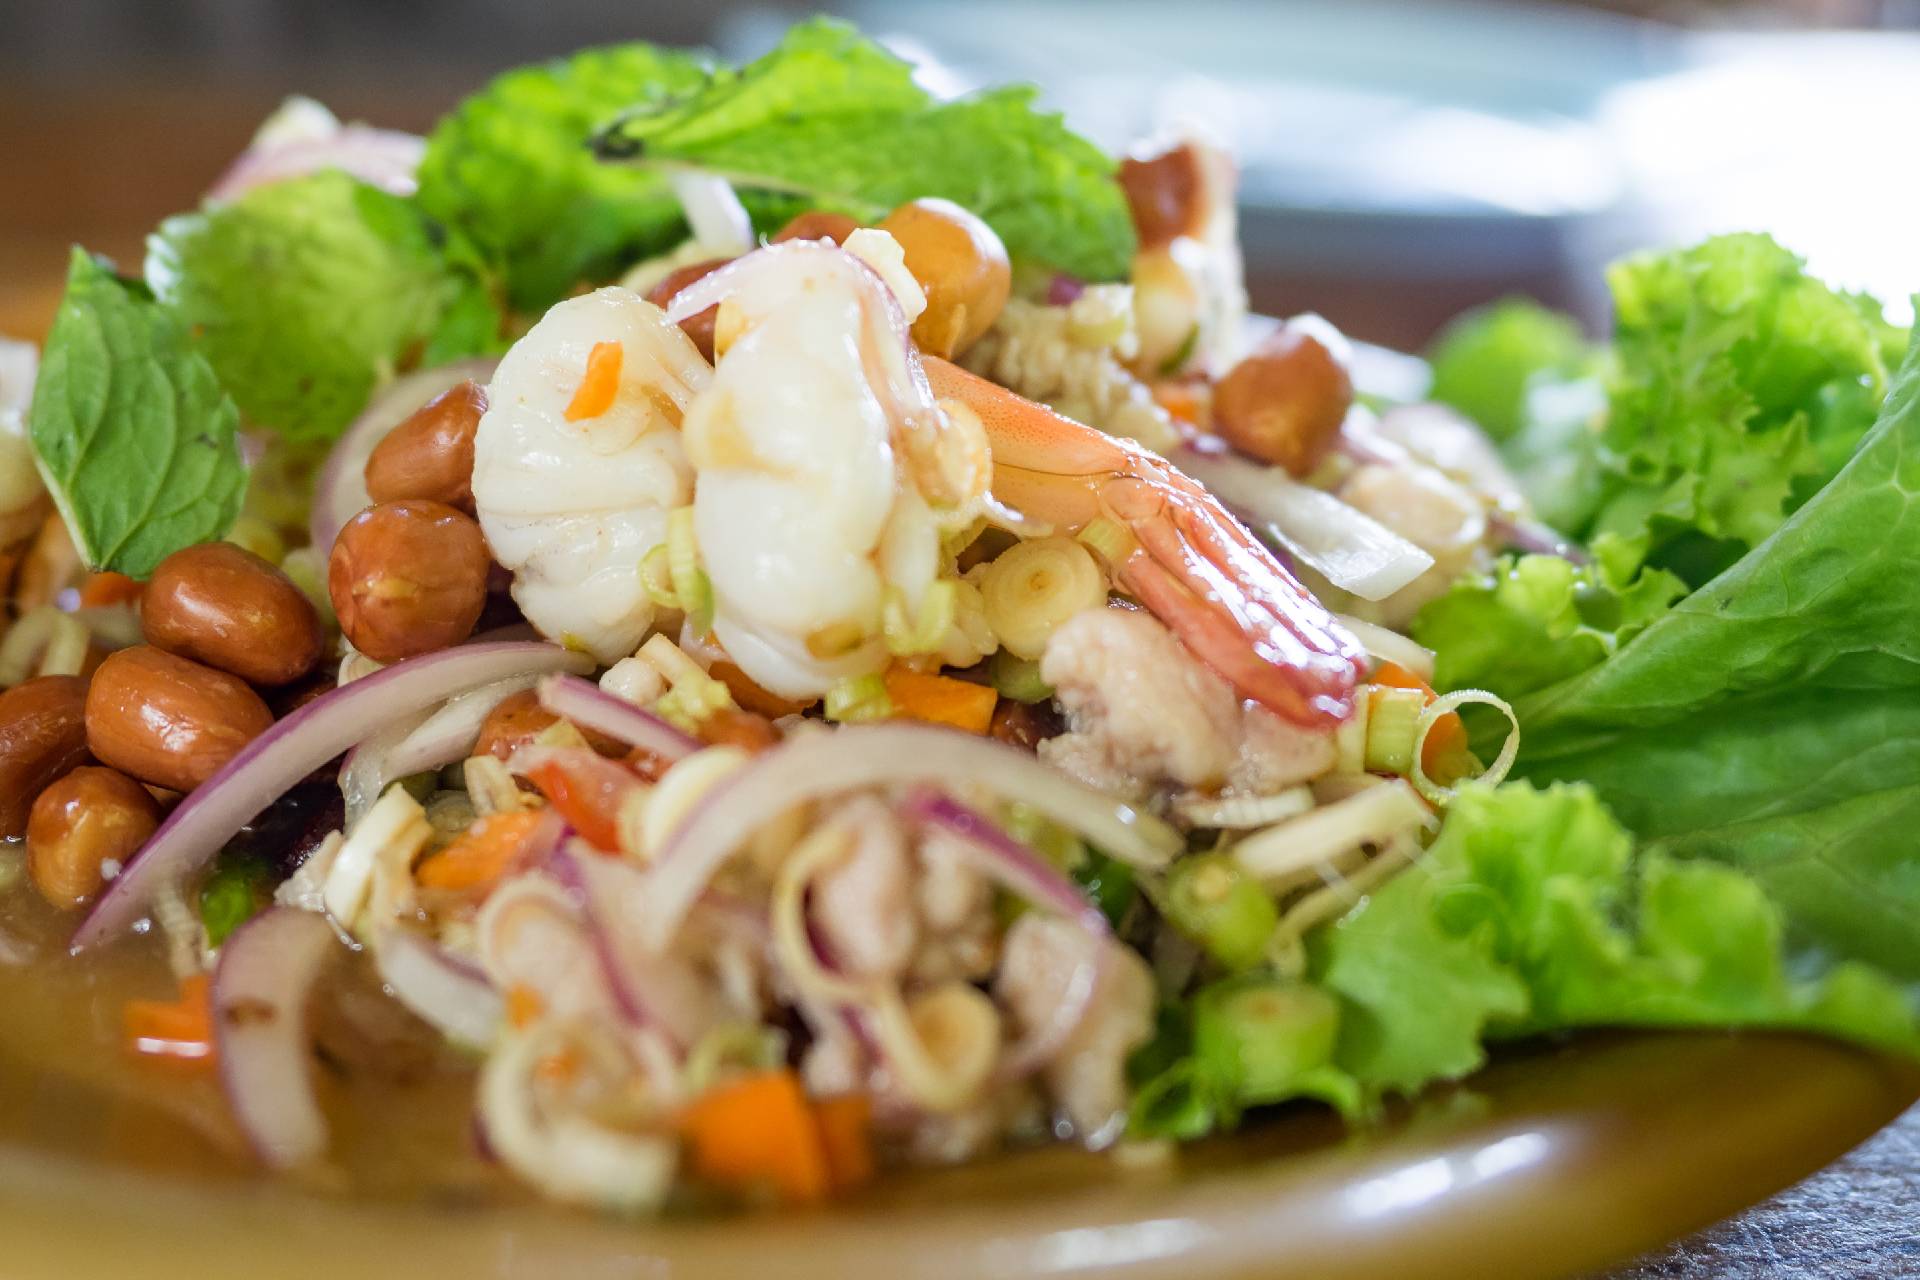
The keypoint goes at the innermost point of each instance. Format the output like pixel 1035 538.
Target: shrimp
pixel 573 507
pixel 1194 566
pixel 825 472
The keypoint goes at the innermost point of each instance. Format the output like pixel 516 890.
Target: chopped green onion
pixel 1045 837
pixel 1350 739
pixel 1393 719
pixel 657 578
pixel 1018 678
pixel 732 1045
pixel 691 586
pixel 1263 1036
pixel 858 698
pixel 1108 539
pixel 1109 883
pixel 924 632
pixel 1216 904
pixel 1177 361
pixel 231 896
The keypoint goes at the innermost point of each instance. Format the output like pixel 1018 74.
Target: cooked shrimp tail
pixel 1211 582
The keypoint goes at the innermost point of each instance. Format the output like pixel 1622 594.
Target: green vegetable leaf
pixel 1741 385
pixel 1535 620
pixel 1772 718
pixel 302 294
pixel 1531 912
pixel 833 116
pixel 134 435
pixel 510 168
pixel 1484 361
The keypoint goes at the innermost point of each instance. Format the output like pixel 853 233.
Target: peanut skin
pixel 43 734
pixel 408 578
pixel 167 721
pixel 698 327
pixel 226 607
pixel 86 818
pixel 430 455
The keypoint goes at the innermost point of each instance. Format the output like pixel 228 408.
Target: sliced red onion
pixel 450 733
pixel 1033 878
pixel 385 158
pixel 340 491
pixel 1064 290
pixel 591 707
pixel 364 774
pixel 1351 550
pixel 1006 860
pixel 818 765
pixel 653 989
pixel 260 987
pixel 447 992
pixel 1529 535
pixel 213 813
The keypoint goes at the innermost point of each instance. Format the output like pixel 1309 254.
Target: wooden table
pixel 103 167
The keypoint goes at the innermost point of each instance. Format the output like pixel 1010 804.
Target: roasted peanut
pixel 407 578
pixel 90 817
pixel 960 263
pixel 430 455
pixel 43 734
pixel 1166 194
pixel 169 721
pixel 699 326
pixel 817 224
pixel 1284 403
pixel 226 607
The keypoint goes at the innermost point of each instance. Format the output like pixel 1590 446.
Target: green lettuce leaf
pixel 136 439
pixel 1771 719
pixel 1535 620
pixel 830 115
pixel 303 295
pixel 510 169
pixel 1485 360
pixel 1531 912
pixel 1741 385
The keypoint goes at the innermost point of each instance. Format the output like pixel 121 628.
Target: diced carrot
pixel 750 695
pixel 588 792
pixel 1181 400
pixel 108 588
pixel 481 856
pixel 559 1067
pixel 599 385
pixel 732 727
pixel 759 1131
pixel 1444 754
pixel 844 1134
pixel 524 1006
pixel 181 1029
pixel 940 699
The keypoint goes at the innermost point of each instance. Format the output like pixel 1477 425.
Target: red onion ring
pixel 591 707
pixel 652 989
pixel 447 992
pixel 817 765
pixel 260 988
pixel 384 158
pixel 1032 877
pixel 289 751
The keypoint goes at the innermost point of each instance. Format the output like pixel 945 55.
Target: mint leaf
pixel 303 294
pixel 510 168
pixel 135 437
pixel 832 116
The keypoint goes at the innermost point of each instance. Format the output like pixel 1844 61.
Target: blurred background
pixel 1402 160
